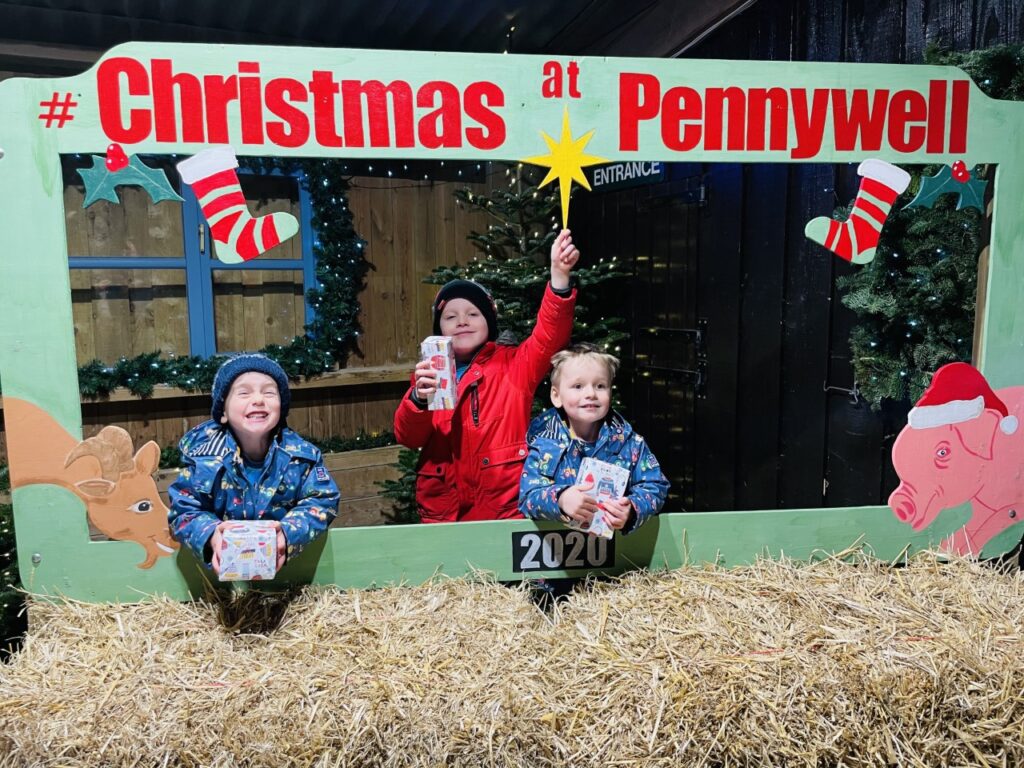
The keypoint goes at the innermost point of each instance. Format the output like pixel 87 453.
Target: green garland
pixel 333 334
pixel 916 300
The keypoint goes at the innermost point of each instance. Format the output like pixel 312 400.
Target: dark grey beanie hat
pixel 475 294
pixel 243 363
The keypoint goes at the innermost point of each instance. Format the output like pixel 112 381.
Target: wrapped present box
pixel 248 551
pixel 441 354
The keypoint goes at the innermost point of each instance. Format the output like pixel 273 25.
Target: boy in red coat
pixel 473 455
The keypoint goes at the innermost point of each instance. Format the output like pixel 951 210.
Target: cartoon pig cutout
pixel 962 443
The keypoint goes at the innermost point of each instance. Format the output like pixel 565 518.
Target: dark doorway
pixel 654 230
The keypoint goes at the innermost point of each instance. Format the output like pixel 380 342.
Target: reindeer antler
pixel 112 448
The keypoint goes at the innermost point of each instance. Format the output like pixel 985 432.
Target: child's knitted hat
pixel 476 295
pixel 244 363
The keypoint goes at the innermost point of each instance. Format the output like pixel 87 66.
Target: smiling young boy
pixel 246 464
pixel 472 456
pixel 581 424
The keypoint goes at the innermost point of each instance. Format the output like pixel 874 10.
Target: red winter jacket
pixel 473 455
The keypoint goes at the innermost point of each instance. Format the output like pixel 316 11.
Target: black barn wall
pixel 768 434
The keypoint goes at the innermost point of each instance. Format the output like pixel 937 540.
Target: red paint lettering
pixel 860 122
pixel 108 93
pixel 958 117
pixel 219 92
pixel 936 115
pixel 443 126
pixel 681 104
pixel 353 92
pixel 574 80
pixel 166 106
pixel 324 89
pixel 480 97
pixel 639 97
pixel 551 88
pixel 293 128
pixel 808 124
pixel 250 102
pixel 715 102
pixel 905 109
pixel 758 116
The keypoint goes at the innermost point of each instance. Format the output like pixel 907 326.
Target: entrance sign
pixel 622 175
pixel 168 99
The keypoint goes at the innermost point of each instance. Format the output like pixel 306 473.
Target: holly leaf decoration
pixel 101 183
pixel 971 192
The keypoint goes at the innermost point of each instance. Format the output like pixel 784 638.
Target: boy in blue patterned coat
pixel 246 464
pixel 582 424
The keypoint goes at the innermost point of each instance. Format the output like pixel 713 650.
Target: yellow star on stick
pixel 566 162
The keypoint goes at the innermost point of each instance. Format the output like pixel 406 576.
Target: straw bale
pixel 832 663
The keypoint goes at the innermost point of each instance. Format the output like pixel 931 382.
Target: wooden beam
pixel 33 57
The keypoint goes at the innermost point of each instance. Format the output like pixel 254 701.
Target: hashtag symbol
pixel 57 110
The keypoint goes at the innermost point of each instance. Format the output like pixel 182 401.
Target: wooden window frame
pixel 199 266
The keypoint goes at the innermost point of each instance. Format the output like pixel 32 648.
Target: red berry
pixel 960 172
pixel 116 158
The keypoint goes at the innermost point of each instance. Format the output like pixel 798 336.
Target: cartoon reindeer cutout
pixel 121 498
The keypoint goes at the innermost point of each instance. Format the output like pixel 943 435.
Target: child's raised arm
pixel 554 319
pixel 564 256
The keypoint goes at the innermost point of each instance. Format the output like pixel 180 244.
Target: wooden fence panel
pixel 411 226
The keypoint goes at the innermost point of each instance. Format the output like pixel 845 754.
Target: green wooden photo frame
pixel 178 98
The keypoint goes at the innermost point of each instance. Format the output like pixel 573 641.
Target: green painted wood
pixel 37 356
pixel 1002 359
pixel 72 566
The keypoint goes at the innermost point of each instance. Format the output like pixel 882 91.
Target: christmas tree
pixel 513 256
pixel 916 300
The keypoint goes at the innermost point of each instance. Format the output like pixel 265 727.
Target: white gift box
pixel 441 354
pixel 603 481
pixel 248 551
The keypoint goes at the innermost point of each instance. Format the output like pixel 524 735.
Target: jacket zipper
pixel 474 401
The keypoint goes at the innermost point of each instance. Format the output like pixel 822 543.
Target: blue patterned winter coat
pixel 555 457
pixel 295 488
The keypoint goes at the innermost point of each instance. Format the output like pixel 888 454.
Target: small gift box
pixel 248 551
pixel 441 354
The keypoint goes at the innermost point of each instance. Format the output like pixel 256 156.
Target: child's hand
pixel 564 256
pixel 216 544
pixel 426 380
pixel 577 505
pixel 282 546
pixel 617 512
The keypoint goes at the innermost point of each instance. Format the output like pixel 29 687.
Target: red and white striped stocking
pixel 857 238
pixel 237 235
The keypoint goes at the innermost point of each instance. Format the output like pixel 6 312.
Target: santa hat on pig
pixel 958 393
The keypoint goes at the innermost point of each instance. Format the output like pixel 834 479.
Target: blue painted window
pixel 144 276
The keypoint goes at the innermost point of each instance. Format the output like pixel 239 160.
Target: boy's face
pixel 253 405
pixel 467 326
pixel 584 392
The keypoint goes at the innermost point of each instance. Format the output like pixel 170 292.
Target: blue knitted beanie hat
pixel 244 363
